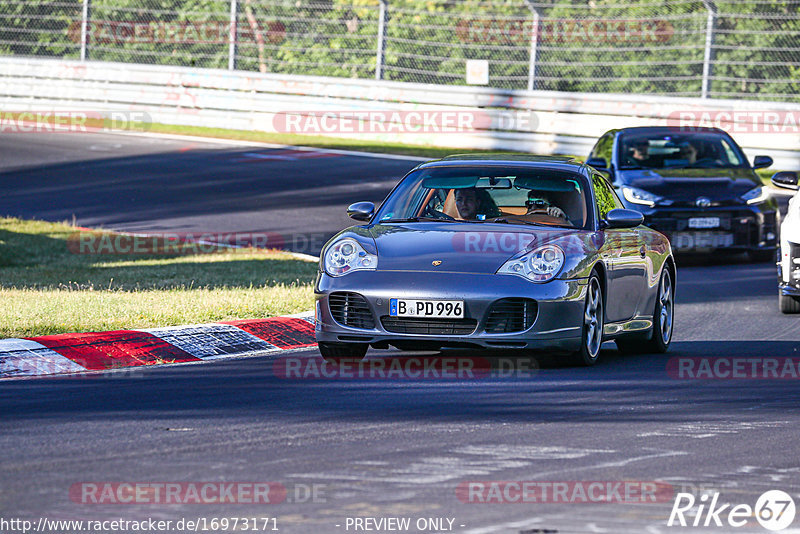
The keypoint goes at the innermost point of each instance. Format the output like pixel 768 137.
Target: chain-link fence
pixel 715 48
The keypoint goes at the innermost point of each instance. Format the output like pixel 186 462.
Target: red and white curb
pixel 102 351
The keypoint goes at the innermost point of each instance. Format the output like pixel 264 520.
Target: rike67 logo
pixel 774 510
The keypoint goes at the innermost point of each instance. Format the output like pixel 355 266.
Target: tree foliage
pixel 641 46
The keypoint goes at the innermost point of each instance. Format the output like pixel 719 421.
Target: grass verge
pixel 317 141
pixel 47 288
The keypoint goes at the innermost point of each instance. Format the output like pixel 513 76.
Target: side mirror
pixel 622 218
pixel 762 162
pixel 598 163
pixel 361 211
pixel 786 180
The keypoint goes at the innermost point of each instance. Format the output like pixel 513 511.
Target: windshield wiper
pixel 514 220
pixel 418 219
pixel 697 167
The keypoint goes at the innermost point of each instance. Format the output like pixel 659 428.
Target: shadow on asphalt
pixel 632 388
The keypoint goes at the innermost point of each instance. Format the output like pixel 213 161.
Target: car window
pixel 730 154
pixel 603 148
pixel 475 194
pixel 679 149
pixel 605 196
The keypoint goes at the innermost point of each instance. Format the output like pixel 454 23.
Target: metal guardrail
pixel 556 122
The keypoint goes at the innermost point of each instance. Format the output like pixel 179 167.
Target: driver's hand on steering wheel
pixel 555 211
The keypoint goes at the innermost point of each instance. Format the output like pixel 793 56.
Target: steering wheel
pixel 430 212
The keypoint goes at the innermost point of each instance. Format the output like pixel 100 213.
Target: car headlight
pixel 639 196
pixel 540 265
pixel 756 196
pixel 346 256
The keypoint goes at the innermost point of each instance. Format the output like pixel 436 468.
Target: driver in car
pixel 688 152
pixel 639 152
pixel 539 203
pixel 473 204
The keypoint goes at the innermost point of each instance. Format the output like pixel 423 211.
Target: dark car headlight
pixel 640 196
pixel 347 255
pixel 756 196
pixel 539 265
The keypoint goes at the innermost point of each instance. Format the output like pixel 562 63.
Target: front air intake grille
pixel 418 325
pixel 511 315
pixel 351 309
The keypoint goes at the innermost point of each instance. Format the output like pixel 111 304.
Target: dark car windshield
pixel 489 194
pixel 678 150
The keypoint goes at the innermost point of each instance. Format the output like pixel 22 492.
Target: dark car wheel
pixel 663 318
pixel 336 352
pixel 789 304
pixel 762 256
pixel 592 337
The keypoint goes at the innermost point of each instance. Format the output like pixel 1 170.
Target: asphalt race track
pixel 147 184
pixel 382 448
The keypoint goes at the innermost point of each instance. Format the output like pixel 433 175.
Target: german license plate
pixel 695 240
pixel 449 309
pixel 704 222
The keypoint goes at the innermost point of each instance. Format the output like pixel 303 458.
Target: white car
pixel 789 259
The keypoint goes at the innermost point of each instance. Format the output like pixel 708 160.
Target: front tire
pixel 592 336
pixel 789 304
pixel 663 319
pixel 336 352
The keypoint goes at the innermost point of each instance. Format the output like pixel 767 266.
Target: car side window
pixel 731 155
pixel 603 148
pixel 605 196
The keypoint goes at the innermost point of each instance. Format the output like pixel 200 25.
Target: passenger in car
pixel 539 203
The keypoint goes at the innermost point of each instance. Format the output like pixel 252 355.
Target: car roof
pixel 669 129
pixel 513 160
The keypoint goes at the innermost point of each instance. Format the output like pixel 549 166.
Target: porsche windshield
pixel 494 194
pixel 678 150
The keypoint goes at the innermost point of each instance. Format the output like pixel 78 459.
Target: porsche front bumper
pixel 557 323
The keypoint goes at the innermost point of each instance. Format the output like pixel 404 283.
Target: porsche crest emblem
pixel 436 263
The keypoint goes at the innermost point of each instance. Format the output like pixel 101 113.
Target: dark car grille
pixel 742 225
pixel 511 315
pixel 351 309
pixel 419 325
pixel 679 222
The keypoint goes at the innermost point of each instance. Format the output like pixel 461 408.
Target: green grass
pixel 46 288
pixel 318 141
pixel 765 175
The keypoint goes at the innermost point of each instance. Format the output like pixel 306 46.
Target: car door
pixel 624 254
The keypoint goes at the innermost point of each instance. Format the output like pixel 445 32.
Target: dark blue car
pixel 694 185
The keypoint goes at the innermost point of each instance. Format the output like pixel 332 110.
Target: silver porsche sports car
pixel 500 252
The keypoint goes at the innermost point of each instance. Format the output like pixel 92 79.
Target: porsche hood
pixel 463 247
